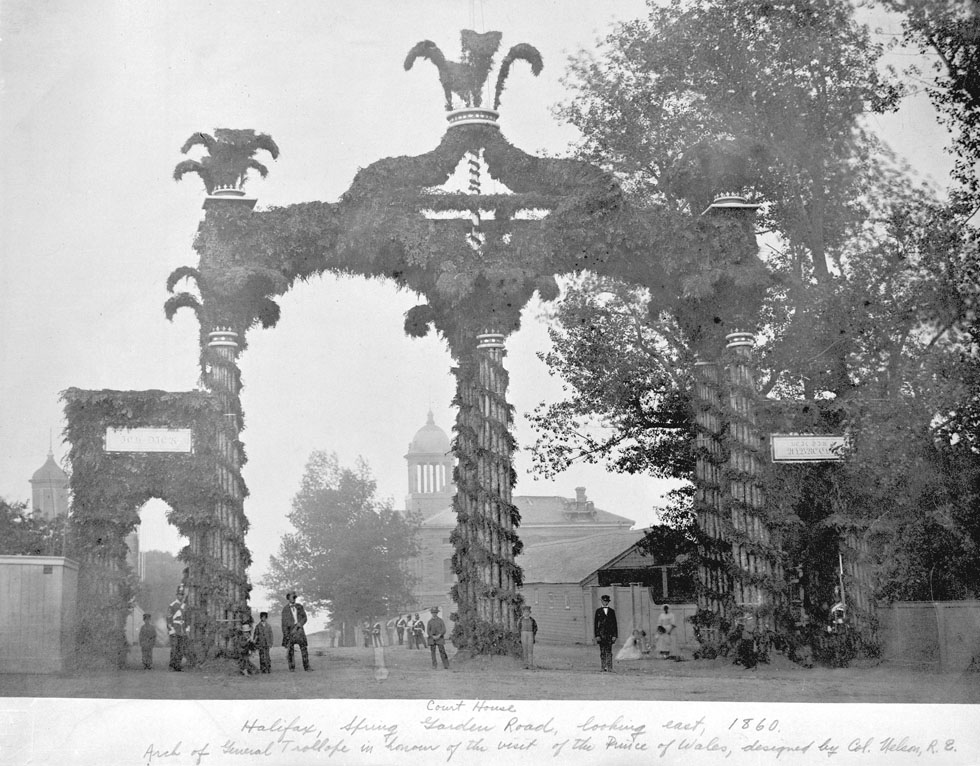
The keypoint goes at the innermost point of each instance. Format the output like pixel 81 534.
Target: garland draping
pixel 378 230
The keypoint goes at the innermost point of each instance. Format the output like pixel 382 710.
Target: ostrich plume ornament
pixel 467 77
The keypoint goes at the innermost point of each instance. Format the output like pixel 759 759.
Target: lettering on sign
pixel 148 440
pixel 807 448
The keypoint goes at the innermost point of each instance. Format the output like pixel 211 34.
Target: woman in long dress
pixel 666 621
pixel 631 649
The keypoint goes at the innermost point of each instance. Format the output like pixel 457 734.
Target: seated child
pixel 644 643
pixel 245 647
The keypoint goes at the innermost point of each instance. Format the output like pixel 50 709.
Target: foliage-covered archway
pixel 476 259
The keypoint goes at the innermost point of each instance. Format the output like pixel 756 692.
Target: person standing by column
pixel 400 628
pixel 148 639
pixel 606 631
pixel 418 632
pixel 293 634
pixel 177 629
pixel 529 634
pixel 262 638
pixel 669 624
pixel 436 632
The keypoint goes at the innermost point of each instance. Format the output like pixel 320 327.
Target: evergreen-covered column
pixel 714 586
pixel 758 572
pixel 485 538
pixel 218 587
pixel 858 582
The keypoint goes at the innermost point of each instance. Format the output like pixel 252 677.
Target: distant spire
pixel 430 421
pixel 50 442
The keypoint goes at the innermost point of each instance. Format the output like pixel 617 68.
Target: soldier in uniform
pixel 177 629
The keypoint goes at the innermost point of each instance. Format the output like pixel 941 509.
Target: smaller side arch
pixel 109 488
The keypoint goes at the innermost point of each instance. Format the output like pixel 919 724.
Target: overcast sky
pixel 97 99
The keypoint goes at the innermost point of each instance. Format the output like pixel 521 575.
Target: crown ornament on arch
pixel 466 79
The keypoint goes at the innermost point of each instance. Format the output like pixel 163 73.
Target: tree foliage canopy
pixel 628 378
pixel 869 321
pixel 348 550
pixel 947 32
pixel 162 573
pixel 23 533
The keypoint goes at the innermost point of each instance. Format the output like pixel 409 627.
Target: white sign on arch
pixel 807 448
pixel 148 440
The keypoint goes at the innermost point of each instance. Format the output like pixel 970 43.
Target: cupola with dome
pixel 49 490
pixel 430 470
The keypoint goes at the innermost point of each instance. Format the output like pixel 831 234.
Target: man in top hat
pixel 436 632
pixel 293 634
pixel 606 631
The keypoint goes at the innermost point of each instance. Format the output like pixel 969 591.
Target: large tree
pixel 162 573
pixel 348 550
pixel 627 379
pixel 867 323
pixel 23 533
pixel 947 32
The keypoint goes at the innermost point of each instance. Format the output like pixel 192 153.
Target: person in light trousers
pixel 529 634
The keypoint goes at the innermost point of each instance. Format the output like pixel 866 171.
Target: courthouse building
pixel 550 519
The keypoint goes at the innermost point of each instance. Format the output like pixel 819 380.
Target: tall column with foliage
pixel 223 599
pixel 232 299
pixel 484 539
pixel 858 582
pixel 755 557
pixel 714 587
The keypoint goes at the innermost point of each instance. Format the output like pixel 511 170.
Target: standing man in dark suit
pixel 293 634
pixel 606 631
pixel 436 632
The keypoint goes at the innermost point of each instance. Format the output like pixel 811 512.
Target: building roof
pixel 429 439
pixel 548 511
pixel 553 509
pixel 572 561
pixel 50 472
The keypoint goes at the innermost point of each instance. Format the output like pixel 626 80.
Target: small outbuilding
pixel 564 580
pixel 38 608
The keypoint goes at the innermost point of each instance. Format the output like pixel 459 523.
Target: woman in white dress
pixel 631 649
pixel 666 621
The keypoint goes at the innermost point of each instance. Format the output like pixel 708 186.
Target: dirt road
pixel 564 672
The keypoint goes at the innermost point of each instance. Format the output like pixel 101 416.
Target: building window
pixel 551 600
pixel 567 605
pixel 447 570
pixel 447 541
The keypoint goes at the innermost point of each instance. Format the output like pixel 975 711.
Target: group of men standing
pixel 411 631
pixel 294 619
pixel 293 635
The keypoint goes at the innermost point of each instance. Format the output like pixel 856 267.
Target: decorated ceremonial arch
pixel 474 259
